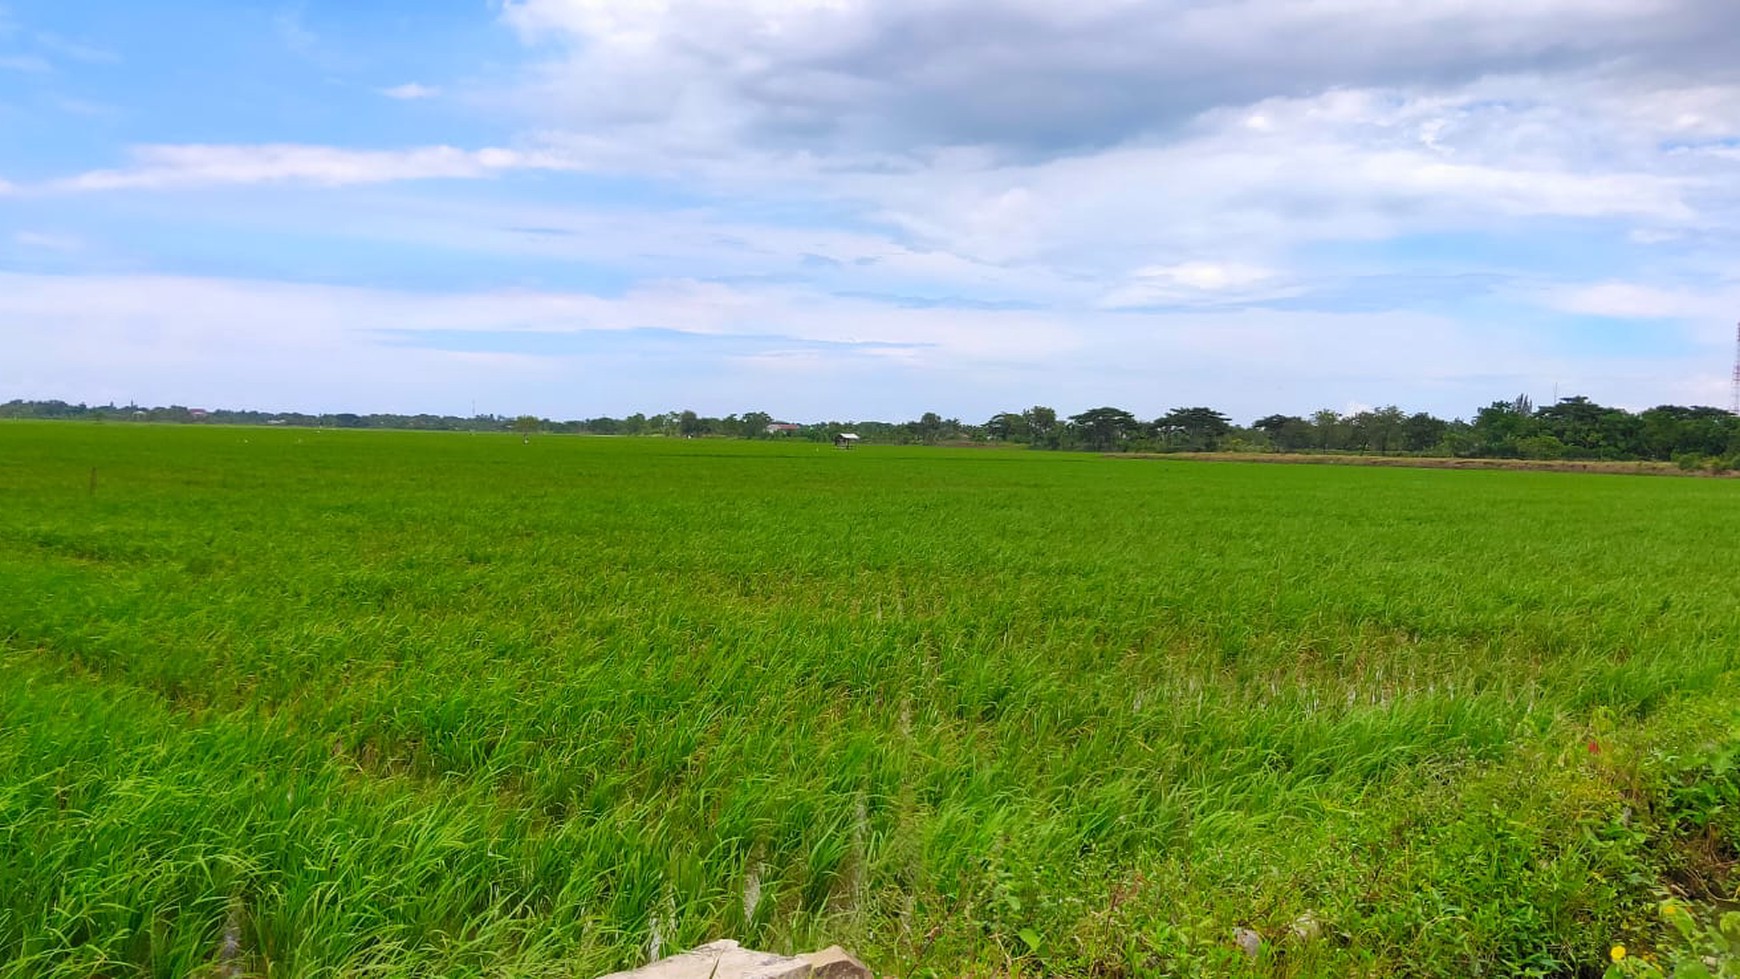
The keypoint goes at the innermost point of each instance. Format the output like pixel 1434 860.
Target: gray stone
pixel 723 959
pixel 835 962
pixel 1307 928
pixel 1250 940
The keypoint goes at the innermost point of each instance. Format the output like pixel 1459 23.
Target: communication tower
pixel 1734 397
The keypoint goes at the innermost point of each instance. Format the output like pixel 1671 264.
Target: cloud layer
pixel 1040 77
pixel 952 204
pixel 161 167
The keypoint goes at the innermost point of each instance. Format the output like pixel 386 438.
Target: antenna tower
pixel 1734 402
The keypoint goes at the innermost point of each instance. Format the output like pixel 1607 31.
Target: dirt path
pixel 1424 462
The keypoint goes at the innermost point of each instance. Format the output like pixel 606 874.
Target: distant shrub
pixel 1540 447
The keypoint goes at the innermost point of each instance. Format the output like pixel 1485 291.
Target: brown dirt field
pixel 1423 462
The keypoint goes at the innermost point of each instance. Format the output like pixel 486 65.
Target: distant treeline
pixel 1572 428
pixel 676 424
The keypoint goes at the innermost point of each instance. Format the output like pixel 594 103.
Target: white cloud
pixel 24 62
pixel 1083 135
pixel 75 50
pixel 294 35
pixel 796 352
pixel 160 167
pixel 702 308
pixel 48 240
pixel 1114 192
pixel 1632 300
pixel 256 342
pixel 1723 152
pixel 1191 282
pixel 1341 166
pixel 411 91
pixel 1651 236
pixel 1041 77
pixel 1208 276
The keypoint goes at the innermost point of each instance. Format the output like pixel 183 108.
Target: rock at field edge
pixel 725 959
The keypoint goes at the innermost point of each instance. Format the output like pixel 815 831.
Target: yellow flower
pixel 1617 952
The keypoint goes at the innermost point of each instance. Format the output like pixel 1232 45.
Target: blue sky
pixel 868 208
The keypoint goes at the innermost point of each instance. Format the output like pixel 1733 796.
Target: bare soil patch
pixel 1425 462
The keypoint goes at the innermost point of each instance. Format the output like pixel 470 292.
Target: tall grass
pixel 353 703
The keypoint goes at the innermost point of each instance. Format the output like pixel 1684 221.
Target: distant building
pixel 197 414
pixel 845 440
pixel 782 428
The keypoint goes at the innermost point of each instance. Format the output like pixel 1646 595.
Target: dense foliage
pixel 297 702
pixel 1573 428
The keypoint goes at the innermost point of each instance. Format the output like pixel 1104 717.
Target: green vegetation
pixel 287 702
pixel 1705 950
pixel 1573 429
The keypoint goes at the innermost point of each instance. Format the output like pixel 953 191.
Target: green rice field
pixel 283 702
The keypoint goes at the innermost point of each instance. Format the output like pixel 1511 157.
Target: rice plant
pixel 299 703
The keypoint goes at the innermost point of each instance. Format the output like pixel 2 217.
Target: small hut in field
pixel 845 440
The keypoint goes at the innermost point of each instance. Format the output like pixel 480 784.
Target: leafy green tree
pixel 1377 430
pixel 1575 422
pixel 1194 429
pixel 755 424
pixel 1498 426
pixel 1668 429
pixel 1105 429
pixel 1331 430
pixel 1286 433
pixel 1042 427
pixel 1422 432
pixel 1007 426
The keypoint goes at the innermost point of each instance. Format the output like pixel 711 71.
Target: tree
pixel 1379 430
pixel 1330 430
pixel 1421 432
pixel 1194 429
pixel 1498 426
pixel 1669 430
pixel 1106 428
pixel 1576 422
pixel 525 425
pixel 1287 433
pixel 755 424
pixel 1007 426
pixel 1042 427
pixel 929 427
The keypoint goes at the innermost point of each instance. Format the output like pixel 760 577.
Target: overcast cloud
pixel 828 208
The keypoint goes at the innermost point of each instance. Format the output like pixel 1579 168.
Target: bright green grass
pixel 395 703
